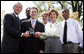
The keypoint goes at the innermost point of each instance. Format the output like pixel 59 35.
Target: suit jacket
pixel 32 44
pixel 11 34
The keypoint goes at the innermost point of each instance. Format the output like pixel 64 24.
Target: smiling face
pixel 33 13
pixel 45 17
pixel 17 8
pixel 53 15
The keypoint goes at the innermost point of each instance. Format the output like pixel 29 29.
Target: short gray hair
pixel 16 4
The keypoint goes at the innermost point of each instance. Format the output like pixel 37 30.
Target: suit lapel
pixel 16 20
pixel 36 24
pixel 13 15
pixel 30 26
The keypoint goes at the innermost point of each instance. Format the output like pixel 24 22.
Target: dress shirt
pixel 31 24
pixel 46 23
pixel 16 14
pixel 32 21
pixel 74 32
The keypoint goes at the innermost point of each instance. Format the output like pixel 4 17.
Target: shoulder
pixel 39 22
pixel 47 25
pixel 25 21
pixel 58 22
pixel 8 16
pixel 73 20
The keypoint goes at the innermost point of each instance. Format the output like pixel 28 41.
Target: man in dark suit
pixel 32 44
pixel 27 15
pixel 12 31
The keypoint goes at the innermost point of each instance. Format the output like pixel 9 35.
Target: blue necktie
pixel 19 22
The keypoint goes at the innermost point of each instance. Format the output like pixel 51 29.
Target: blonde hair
pixel 45 13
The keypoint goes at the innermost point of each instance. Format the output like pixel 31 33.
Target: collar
pixel 16 14
pixel 32 20
pixel 67 20
pixel 54 22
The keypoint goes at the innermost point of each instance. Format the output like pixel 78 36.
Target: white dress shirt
pixel 74 32
pixel 32 21
pixel 16 14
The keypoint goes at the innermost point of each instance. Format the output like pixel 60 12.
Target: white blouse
pixel 52 30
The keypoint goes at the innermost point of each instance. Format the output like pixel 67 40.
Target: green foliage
pixel 43 6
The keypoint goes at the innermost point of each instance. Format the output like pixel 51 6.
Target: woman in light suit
pixel 52 34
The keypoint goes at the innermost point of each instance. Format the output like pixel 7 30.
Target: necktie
pixel 19 22
pixel 65 33
pixel 33 25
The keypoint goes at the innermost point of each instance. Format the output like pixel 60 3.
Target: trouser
pixel 70 48
pixel 53 45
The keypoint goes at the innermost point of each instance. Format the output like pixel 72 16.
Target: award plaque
pixel 31 31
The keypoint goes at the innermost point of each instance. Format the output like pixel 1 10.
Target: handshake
pixel 26 34
pixel 35 34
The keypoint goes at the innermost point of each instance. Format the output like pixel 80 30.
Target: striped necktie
pixel 33 24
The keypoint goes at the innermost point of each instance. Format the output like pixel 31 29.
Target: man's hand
pixel 80 49
pixel 37 34
pixel 41 51
pixel 26 34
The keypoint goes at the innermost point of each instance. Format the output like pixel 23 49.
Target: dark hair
pixel 66 10
pixel 28 12
pixel 34 8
